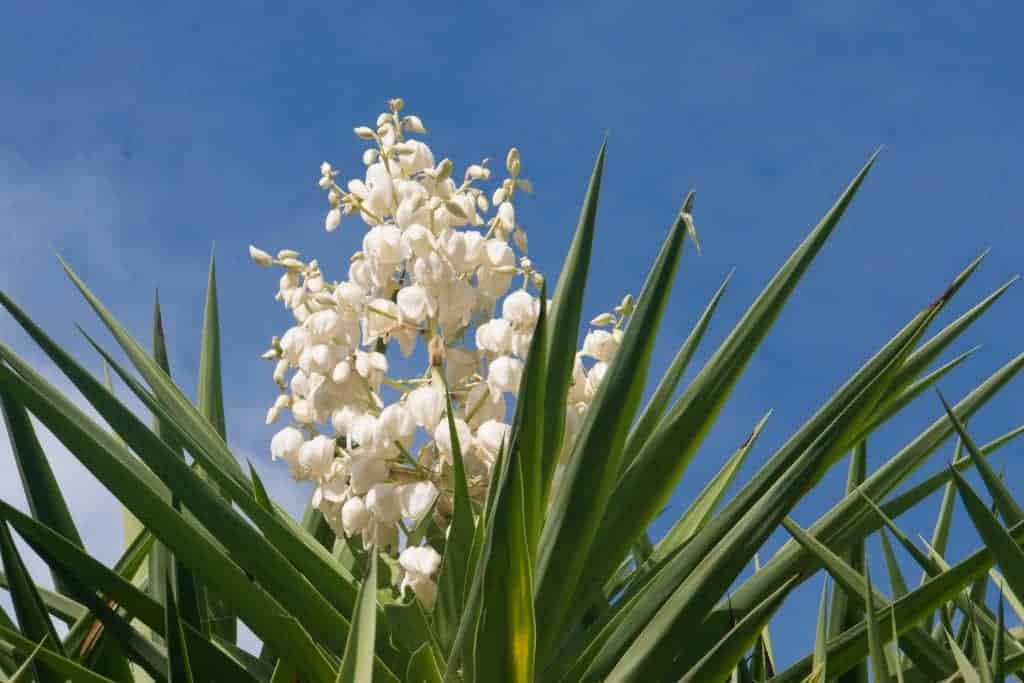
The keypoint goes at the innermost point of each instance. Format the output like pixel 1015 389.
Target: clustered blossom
pixel 442 262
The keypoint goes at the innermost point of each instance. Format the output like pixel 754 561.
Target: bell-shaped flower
pixel 285 445
pixel 383 244
pixel 416 156
pixel 594 378
pixel 316 456
pixel 602 344
pixel 503 374
pixel 494 336
pixel 372 366
pixel 443 437
pixel 294 342
pixel 521 309
pixel 416 499
pixel 383 503
pixel 482 405
pixel 395 423
pixel 426 404
pixel 364 472
pixel 354 515
pixel 416 241
pixel 491 436
pixel 415 304
pixel 420 564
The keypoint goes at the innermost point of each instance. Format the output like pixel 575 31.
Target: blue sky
pixel 133 137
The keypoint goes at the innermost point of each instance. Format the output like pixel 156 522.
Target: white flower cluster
pixel 436 263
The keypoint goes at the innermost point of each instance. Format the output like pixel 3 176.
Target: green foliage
pixel 552 580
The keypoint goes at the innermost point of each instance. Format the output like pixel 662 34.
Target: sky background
pixel 133 136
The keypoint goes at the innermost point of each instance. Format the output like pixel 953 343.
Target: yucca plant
pixel 546 571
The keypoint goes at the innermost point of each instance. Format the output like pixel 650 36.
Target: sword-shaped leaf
pixel 357 660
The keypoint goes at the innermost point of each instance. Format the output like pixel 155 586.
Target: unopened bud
pixel 260 257
pixel 413 125
pixel 444 170
pixel 279 372
pixel 271 354
pixel 519 237
pixel 326 169
pixel 524 185
pixel 287 253
pixel 292 264
pixel 512 162
pixel 396 104
pixel 455 208
pixel 364 133
pixel 603 320
pixel 478 172
pixel 370 157
pixel 436 351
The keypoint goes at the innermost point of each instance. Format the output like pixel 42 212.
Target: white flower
pixel 494 336
pixel 333 220
pixel 286 443
pixel 521 309
pixel 395 423
pixel 601 344
pixel 443 437
pixel 316 456
pixel 490 437
pixel 260 257
pixel 365 472
pixel 414 304
pixel 594 379
pixel 294 342
pixel 383 503
pixel 383 244
pixel 503 374
pixel 302 411
pixel 382 318
pixel 416 498
pixel 416 241
pixel 426 404
pixel 507 215
pixel 420 564
pixel 482 405
pixel 354 515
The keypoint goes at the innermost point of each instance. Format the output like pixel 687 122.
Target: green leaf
pixel 423 667
pixel 210 401
pixel 357 661
pixel 649 481
pixel 60 606
pixel 700 511
pixel 661 399
pixel 560 342
pixel 59 667
pixel 1007 506
pixel 896 580
pixel 209 388
pixel 455 564
pixel 821 636
pixel 968 672
pixel 999 647
pixel 528 431
pixel 720 660
pixel 836 529
pixel 701 572
pixel 111 462
pixel 28 606
pixel 847 612
pixel 45 500
pixel 919 646
pixel 590 475
pixel 506 634
pixel 878 664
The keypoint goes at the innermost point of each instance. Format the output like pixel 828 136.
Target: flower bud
pixel 326 169
pixel 603 320
pixel 444 170
pixel 370 157
pixel 333 220
pixel 396 104
pixel 512 162
pixel 287 253
pixel 279 371
pixel 364 133
pixel 519 237
pixel 260 257
pixel 413 125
